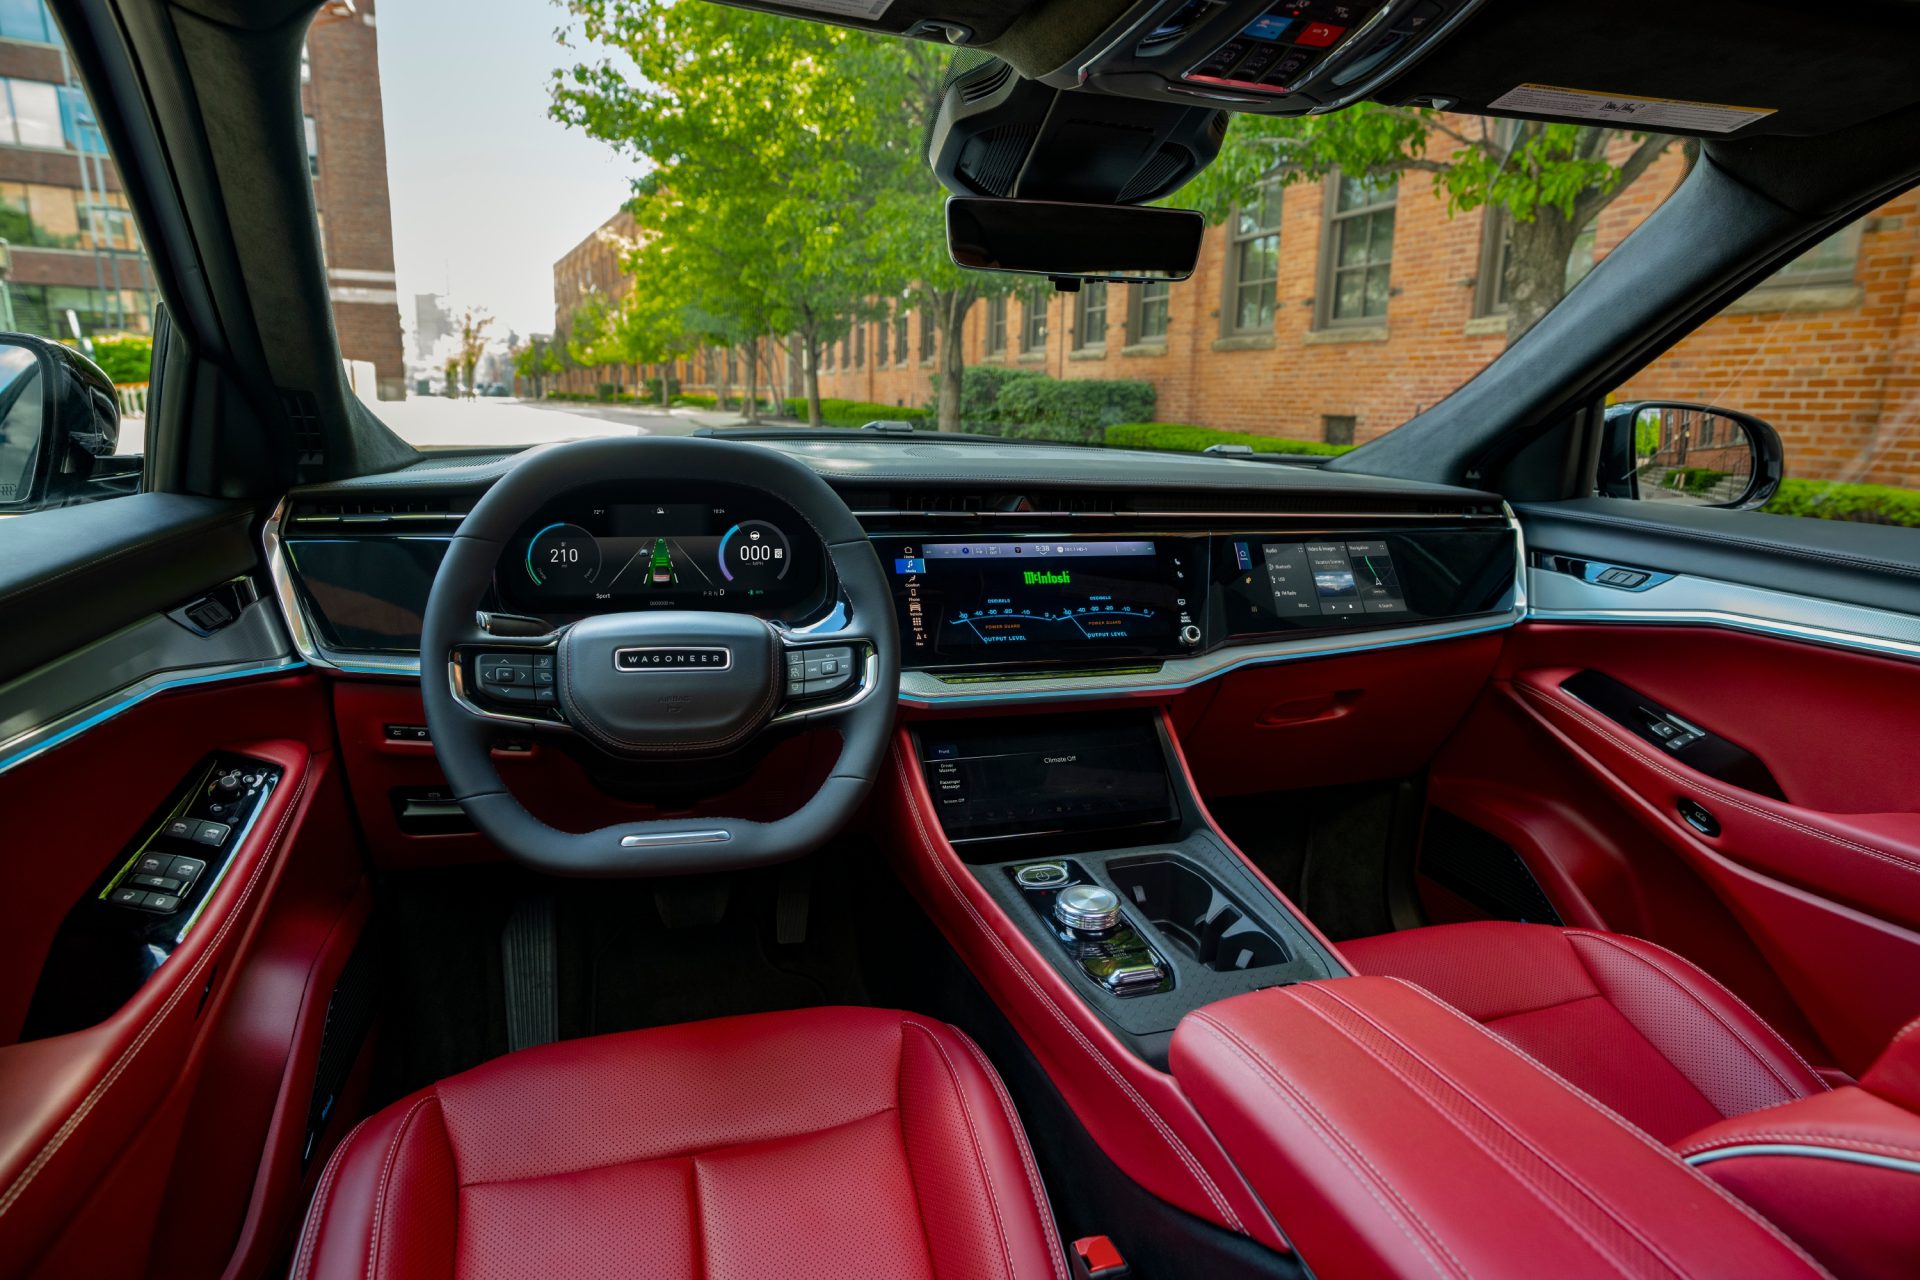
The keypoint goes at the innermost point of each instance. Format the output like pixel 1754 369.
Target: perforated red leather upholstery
pixel 820 1143
pixel 1639 1028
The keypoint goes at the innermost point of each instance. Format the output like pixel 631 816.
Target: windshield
pixel 611 217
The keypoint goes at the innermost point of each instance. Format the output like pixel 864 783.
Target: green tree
pixel 1550 180
pixel 763 174
pixel 536 361
pixel 473 343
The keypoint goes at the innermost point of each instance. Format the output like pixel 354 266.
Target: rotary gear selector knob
pixel 1087 908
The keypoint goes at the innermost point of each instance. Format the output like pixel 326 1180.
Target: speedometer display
pixel 754 554
pixel 714 548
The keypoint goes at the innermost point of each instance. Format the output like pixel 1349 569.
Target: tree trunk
pixel 751 408
pixel 952 308
pixel 1537 268
pixel 810 370
pixel 666 395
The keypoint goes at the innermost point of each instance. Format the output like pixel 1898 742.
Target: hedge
pixel 1860 503
pixel 1027 404
pixel 1175 437
pixel 855 413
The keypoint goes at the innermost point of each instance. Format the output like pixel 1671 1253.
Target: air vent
pixel 303 420
pixel 416 513
pixel 1085 503
pixel 991 83
pixel 1160 173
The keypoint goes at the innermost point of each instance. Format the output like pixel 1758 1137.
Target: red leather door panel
pixel 1826 885
pixel 90 1122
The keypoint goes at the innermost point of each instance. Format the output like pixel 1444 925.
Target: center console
pixel 1091 841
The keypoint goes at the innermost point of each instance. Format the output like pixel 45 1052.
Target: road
pixel 434 422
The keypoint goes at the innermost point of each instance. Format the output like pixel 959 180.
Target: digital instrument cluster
pixel 715 550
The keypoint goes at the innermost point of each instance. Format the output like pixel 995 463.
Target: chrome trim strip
pixel 25 746
pixel 659 838
pixel 1708 602
pixel 1294 518
pixel 1807 1150
pixel 300 627
pixel 922 689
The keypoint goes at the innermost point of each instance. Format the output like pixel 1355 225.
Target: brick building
pixel 1277 333
pixel 347 154
pixel 76 254
pixel 590 267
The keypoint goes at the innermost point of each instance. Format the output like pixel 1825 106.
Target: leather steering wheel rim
pixel 463 733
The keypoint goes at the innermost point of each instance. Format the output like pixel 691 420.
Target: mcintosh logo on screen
pixel 1042 578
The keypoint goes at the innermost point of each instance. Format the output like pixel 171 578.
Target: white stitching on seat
pixel 1038 1188
pixel 1679 981
pixel 973 1137
pixel 1376 1185
pixel 1187 1158
pixel 187 983
pixel 386 1173
pixel 316 1211
pixel 1646 1139
pixel 1706 785
pixel 1540 1192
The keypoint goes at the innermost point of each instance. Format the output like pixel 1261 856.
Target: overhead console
pixel 1285 58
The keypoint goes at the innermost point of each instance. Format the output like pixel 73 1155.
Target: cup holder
pixel 1193 914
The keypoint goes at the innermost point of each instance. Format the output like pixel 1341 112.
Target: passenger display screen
pixel 1036 600
pixel 1327 579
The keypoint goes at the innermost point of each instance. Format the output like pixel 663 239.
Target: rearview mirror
pixel 1117 243
pixel 1691 454
pixel 59 415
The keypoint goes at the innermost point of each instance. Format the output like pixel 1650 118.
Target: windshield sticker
pixel 1640 113
pixel 868 9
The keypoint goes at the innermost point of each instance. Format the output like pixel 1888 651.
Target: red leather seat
pixel 824 1142
pixel 1635 1026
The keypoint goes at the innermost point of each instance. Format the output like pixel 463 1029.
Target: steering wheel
pixel 660 684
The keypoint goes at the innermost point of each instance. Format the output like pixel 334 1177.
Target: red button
pixel 1100 1258
pixel 1319 34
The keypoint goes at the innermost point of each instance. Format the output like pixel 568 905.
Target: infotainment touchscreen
pixel 1036 600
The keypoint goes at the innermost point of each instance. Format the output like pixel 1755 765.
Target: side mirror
pixel 1692 454
pixel 59 416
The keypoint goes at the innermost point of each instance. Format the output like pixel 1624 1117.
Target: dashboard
pixel 1170 570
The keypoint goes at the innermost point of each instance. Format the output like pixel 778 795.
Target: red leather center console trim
pixel 1137 1115
pixel 1395 1136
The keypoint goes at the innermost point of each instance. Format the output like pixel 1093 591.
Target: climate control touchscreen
pixel 1036 600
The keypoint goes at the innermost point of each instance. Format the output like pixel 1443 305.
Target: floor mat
pixel 628 954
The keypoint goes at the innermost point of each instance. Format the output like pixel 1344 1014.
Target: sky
pixel 487 190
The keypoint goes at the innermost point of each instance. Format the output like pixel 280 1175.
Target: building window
pixel 1491 291
pixel 1337 428
pixel 1357 249
pixel 882 344
pixel 997 326
pixel 860 346
pixel 30 114
pixel 928 332
pixel 846 350
pixel 1253 262
pixel 1150 304
pixel 313 148
pixel 1090 316
pixel 1832 261
pixel 826 362
pixel 1033 318
pixel 900 334
pixel 28 20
